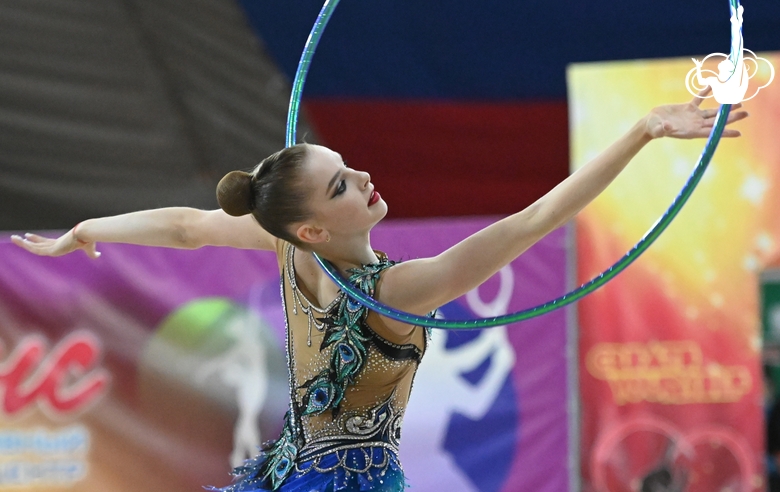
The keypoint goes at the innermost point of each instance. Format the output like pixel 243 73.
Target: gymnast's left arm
pixel 421 285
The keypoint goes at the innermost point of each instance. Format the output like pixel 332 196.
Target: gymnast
pixel 351 370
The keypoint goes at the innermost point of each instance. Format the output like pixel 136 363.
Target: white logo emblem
pixel 730 83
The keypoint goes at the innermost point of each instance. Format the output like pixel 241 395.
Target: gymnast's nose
pixel 366 179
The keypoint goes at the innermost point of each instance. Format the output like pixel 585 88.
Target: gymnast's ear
pixel 308 233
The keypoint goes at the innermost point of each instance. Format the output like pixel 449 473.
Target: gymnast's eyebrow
pixel 332 181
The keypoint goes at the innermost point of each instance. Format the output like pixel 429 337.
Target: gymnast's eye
pixel 342 188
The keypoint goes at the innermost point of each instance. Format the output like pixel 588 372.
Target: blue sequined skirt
pixel 350 470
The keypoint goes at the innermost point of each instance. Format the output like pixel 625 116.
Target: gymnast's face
pixel 342 200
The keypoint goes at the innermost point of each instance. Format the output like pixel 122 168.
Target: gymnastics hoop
pixel 568 298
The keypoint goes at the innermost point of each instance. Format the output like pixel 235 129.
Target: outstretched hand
pixel 44 246
pixel 689 120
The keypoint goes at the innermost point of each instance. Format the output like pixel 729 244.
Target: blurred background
pixel 461 112
pixel 120 105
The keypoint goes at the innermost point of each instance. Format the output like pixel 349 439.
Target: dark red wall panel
pixel 447 158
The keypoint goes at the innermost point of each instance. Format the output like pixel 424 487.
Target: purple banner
pixel 158 369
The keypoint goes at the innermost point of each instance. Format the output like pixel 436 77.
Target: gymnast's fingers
pixel 731 133
pixel 713 112
pixel 709 113
pixel 25 244
pixel 739 115
pixel 35 238
pixel 91 251
pixel 733 117
pixel 701 95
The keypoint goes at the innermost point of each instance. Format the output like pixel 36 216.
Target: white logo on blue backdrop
pixel 730 83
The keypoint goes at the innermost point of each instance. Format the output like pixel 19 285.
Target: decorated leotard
pixel 350 379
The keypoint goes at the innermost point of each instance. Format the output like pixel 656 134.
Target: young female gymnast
pixel 351 370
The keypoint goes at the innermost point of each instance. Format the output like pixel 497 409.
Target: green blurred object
pixel 193 324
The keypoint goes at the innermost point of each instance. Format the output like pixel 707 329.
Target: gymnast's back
pixel 350 380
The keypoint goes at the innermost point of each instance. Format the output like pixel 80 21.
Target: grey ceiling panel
pixel 109 106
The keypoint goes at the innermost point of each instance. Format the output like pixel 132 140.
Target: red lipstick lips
pixel 374 198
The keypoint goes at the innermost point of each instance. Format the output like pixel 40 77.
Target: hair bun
pixel 234 193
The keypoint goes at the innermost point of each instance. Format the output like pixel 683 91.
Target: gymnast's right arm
pixel 174 227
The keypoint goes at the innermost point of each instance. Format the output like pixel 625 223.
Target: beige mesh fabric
pixel 383 379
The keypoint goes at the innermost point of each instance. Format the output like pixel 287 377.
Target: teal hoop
pixel 576 294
